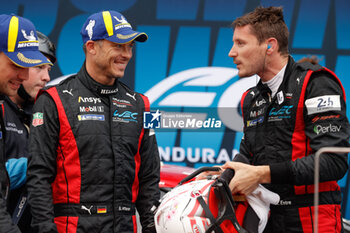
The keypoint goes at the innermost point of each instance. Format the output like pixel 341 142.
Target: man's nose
pixel 127 52
pixel 46 76
pixel 232 52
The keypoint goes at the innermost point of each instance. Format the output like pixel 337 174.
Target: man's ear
pixel 90 47
pixel 271 46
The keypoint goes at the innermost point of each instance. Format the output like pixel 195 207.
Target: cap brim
pixel 28 59
pixel 126 36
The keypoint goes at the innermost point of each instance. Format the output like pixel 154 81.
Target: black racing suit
pixel 307 113
pixel 6 224
pixel 91 164
pixel 17 121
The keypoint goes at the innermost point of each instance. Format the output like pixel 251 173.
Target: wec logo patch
pixel 38 119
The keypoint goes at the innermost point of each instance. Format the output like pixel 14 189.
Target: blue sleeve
pixel 17 169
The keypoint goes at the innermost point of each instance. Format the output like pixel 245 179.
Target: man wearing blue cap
pixel 18 51
pixel 17 117
pixel 92 164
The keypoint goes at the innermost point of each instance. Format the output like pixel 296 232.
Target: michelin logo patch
pixel 91 117
pixel 323 103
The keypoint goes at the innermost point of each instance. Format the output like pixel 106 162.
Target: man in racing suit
pixel 294 110
pixel 92 164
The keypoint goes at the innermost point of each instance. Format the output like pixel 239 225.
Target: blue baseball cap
pixel 19 41
pixel 112 26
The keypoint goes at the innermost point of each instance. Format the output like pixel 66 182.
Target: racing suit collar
pixel 290 66
pixel 264 89
pixel 96 87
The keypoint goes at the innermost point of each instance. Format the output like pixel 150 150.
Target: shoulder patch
pixel 38 119
pixel 323 103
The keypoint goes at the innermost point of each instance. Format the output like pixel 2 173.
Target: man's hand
pixel 247 177
pixel 209 174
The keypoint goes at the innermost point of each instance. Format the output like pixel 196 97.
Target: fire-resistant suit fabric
pixel 307 113
pixel 91 164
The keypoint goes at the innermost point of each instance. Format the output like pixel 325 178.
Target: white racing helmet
pixel 181 212
pixel 198 206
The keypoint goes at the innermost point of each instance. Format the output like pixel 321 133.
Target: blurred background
pixel 184 66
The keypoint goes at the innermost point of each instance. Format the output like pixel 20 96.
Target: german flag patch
pixel 101 209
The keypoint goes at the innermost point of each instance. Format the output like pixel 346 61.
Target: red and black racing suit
pixel 91 164
pixel 307 113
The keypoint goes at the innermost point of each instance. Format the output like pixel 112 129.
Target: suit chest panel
pixel 270 122
pixel 91 114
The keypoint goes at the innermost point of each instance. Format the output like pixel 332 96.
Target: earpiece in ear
pixel 268 46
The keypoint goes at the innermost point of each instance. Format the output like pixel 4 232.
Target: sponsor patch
pixel 38 119
pixel 131 96
pixel 91 109
pixel 319 129
pixel 323 103
pixel 89 100
pixel 284 110
pixel 120 103
pixel 256 113
pixel 87 209
pixel 280 97
pixel 322 118
pixel 289 95
pixel 125 116
pixel 89 28
pixel 255 121
pixel 108 91
pixel 68 92
pixel 91 117
pixel 259 103
pixel 23 44
pixel 279 114
pixel 11 126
